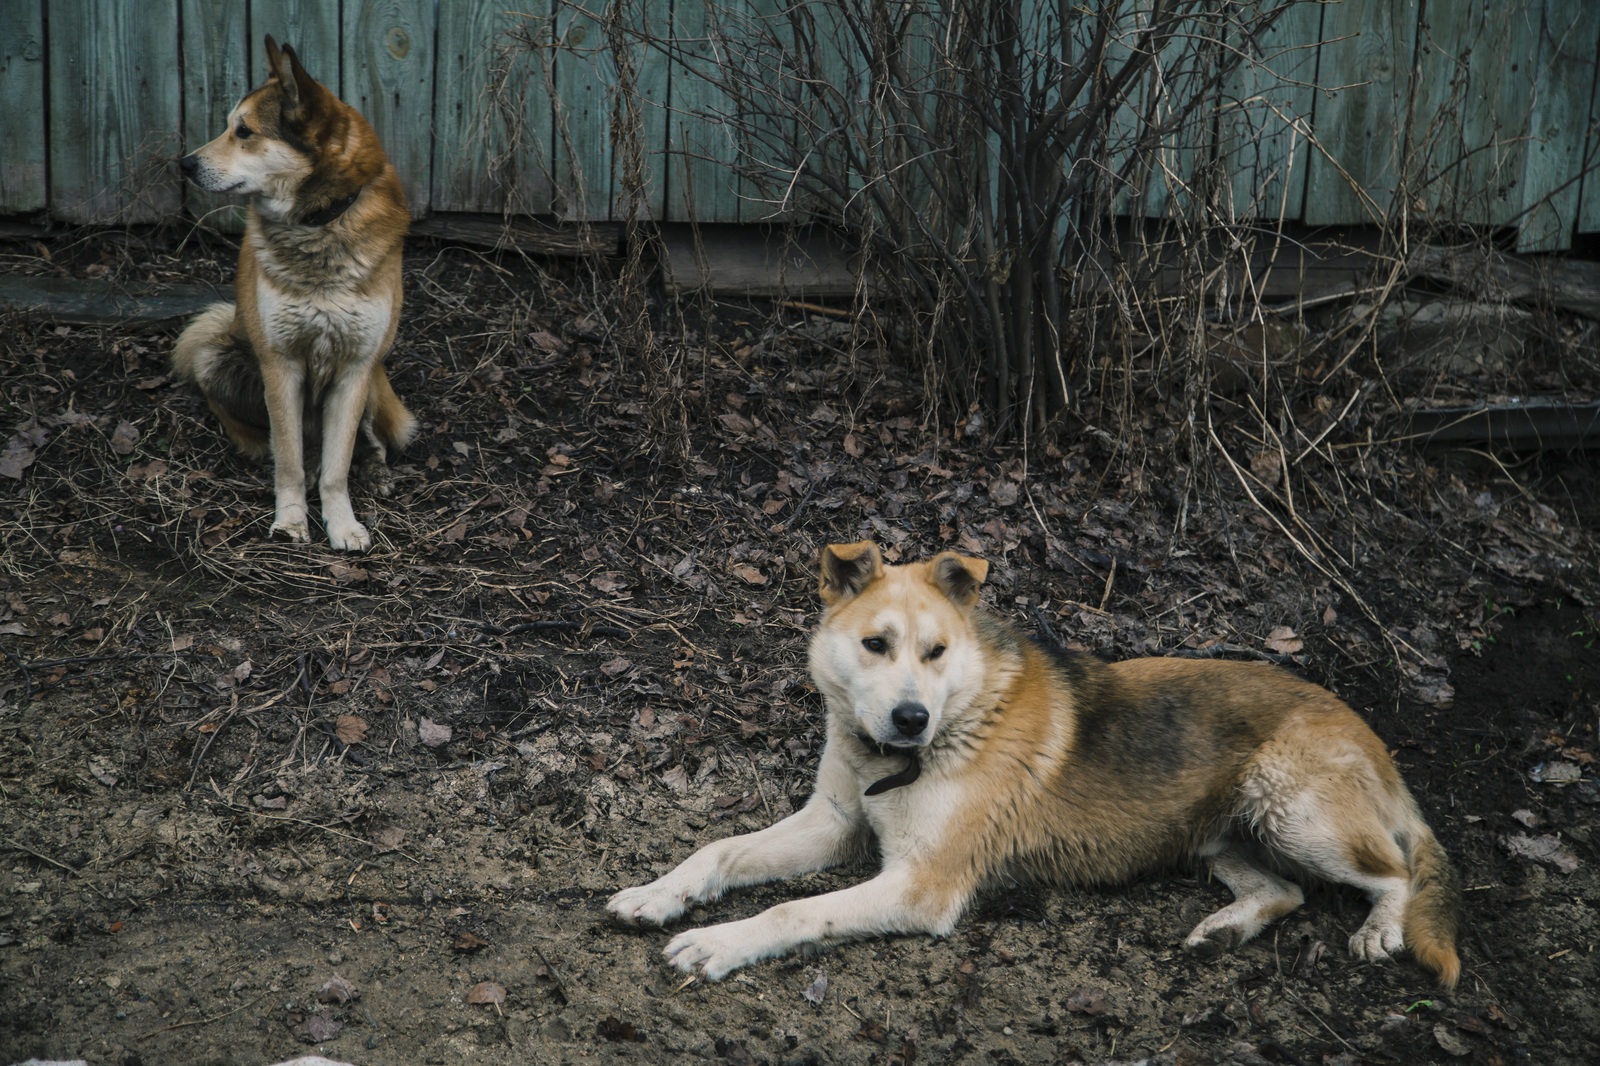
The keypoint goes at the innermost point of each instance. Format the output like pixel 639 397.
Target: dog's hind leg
pixel 1331 803
pixel 1260 898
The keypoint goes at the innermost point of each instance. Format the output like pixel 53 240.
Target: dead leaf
pixel 613 667
pixel 466 942
pixel 344 574
pixel 1284 641
pixel 456 533
pixel 676 779
pixel 487 992
pixel 124 438
pixel 104 770
pixel 613 1028
pixel 749 574
pixel 92 635
pixel 1090 1001
pixel 388 838
pixel 337 990
pixel 147 471
pixel 183 642
pixel 1546 849
pixel 1446 1036
pixel 1555 773
pixel 816 990
pixel 317 1029
pixel 609 582
pixel 350 729
pixel 432 733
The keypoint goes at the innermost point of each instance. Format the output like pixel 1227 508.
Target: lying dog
pixel 318 295
pixel 968 751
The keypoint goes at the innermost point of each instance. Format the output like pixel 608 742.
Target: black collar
pixel 912 771
pixel 332 211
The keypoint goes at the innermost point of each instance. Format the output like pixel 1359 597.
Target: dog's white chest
pixel 322 328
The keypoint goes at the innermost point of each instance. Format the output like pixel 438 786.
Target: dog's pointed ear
pixel 847 569
pixel 281 66
pixel 958 577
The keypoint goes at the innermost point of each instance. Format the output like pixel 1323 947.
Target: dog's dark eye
pixel 934 652
pixel 876 645
pixel 243 133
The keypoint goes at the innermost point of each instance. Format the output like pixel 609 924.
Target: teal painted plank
pixel 583 158
pixel 643 195
pixel 388 76
pixel 701 149
pixel 492 115
pixel 1589 195
pixel 1474 89
pixel 1266 111
pixel 1565 70
pixel 114 103
pixel 1182 70
pixel 310 26
pixel 1364 72
pixel 22 134
pixel 217 75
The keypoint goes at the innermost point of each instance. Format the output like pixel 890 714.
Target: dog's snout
pixel 909 718
pixel 189 164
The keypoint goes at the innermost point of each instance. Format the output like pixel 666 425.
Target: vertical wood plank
pixel 582 156
pixel 1565 70
pixel 23 183
pixel 492 114
pixel 311 26
pixel 641 25
pixel 388 76
pixel 1359 117
pixel 114 103
pixel 1474 86
pixel 216 75
pixel 1267 102
pixel 701 153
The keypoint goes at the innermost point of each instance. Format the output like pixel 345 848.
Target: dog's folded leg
pixel 342 410
pixel 1261 897
pixel 899 900
pixel 814 838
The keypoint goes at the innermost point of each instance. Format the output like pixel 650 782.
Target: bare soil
pixel 232 770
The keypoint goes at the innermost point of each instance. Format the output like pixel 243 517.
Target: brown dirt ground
pixel 218 791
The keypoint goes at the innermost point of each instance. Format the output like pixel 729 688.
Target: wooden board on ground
pixel 749 261
pixel 528 235
pixel 101 303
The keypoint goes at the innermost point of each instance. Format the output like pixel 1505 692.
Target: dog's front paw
pixel 349 536
pixel 717 950
pixel 1377 940
pixel 647 905
pixel 290 524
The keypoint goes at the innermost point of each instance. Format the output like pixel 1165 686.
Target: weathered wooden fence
pixel 1483 111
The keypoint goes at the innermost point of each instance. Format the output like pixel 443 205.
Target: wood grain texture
pixel 311 26
pixel 582 151
pixel 217 75
pixel 23 185
pixel 1266 112
pixel 114 103
pixel 1565 71
pixel 1364 71
pixel 388 76
pixel 700 148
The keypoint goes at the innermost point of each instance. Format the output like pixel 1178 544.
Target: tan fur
pixel 317 297
pixel 1063 767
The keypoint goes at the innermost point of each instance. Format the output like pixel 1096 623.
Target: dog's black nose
pixel 189 164
pixel 909 718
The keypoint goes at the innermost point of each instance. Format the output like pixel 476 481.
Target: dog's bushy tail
pixel 216 358
pixel 1432 913
pixel 393 424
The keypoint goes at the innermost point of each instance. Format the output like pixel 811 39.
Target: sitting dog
pixel 968 751
pixel 317 295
